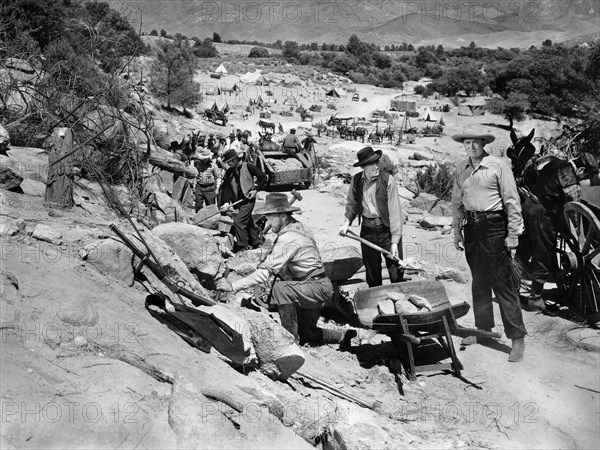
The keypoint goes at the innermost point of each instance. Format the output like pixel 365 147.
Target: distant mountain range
pixel 452 23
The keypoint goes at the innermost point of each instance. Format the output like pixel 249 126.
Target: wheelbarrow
pixel 408 330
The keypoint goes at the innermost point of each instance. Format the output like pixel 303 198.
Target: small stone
pixel 80 341
pixel 29 371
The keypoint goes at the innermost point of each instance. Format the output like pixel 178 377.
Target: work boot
pixel 337 336
pixel 536 303
pixel 289 319
pixel 518 349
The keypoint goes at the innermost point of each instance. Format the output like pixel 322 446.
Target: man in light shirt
pixel 304 287
pixel 487 223
pixel 373 198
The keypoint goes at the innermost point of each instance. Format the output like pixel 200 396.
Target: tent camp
pixel 333 93
pixel 254 78
pixel 428 116
pixel 225 108
pixel 464 111
pixel 214 107
pixel 221 69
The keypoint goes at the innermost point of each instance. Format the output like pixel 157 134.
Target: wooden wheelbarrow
pixel 408 330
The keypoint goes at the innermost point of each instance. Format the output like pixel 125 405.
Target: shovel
pixel 384 252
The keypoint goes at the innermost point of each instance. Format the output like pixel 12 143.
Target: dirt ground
pixel 69 386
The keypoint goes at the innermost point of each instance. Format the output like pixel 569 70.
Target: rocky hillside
pixel 382 21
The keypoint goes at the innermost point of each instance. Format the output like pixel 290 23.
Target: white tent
pixel 221 69
pixel 254 78
pixel 428 116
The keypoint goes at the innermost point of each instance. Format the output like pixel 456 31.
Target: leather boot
pixel 518 349
pixel 339 336
pixel 289 319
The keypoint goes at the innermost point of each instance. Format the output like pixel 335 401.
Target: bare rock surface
pixel 195 246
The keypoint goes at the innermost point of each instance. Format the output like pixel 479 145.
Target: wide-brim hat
pixel 366 156
pixel 276 203
pixel 474 132
pixel 230 154
pixel 204 154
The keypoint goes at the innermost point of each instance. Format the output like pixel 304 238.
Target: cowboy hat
pixel 276 203
pixel 230 154
pixel 474 132
pixel 366 156
pixel 205 153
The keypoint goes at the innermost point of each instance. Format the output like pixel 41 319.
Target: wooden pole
pixel 59 186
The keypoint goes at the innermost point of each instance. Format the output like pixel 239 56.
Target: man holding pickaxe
pixel 373 198
pixel 241 183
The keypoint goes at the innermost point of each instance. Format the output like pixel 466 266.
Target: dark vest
pixel 381 195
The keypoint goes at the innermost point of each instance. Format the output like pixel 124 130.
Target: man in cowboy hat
pixel 241 181
pixel 304 287
pixel 557 182
pixel 206 181
pixel 373 198
pixel 487 223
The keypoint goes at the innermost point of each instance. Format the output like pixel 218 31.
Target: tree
pixel 410 48
pixel 154 33
pixel 547 43
pixel 290 49
pixel 513 108
pixel 216 38
pixel 324 47
pixel 258 52
pixel 205 49
pixel 314 46
pixel 173 73
pixel 163 33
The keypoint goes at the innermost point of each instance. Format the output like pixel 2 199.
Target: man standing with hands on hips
pixel 373 198
pixel 487 223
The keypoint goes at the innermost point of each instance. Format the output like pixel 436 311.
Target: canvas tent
pixel 214 107
pixel 333 93
pixel 428 116
pixel 464 111
pixel 225 108
pixel 254 78
pixel 221 69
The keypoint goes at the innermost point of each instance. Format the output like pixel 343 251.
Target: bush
pixel 258 52
pixel 437 180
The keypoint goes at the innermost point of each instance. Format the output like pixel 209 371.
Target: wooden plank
pixel 434 367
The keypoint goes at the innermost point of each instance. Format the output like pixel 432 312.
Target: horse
pixel 265 125
pixel 265 144
pixel 360 133
pixel 522 156
pixel 389 133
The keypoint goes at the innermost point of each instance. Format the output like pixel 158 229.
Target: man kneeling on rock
pixel 304 287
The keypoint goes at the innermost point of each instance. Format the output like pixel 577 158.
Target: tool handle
pixel 160 273
pixel 387 254
pixel 219 293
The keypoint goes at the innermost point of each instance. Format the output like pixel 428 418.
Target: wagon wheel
pixel 578 261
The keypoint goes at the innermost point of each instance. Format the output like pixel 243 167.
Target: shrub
pixel 437 180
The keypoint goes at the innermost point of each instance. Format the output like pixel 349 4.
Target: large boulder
pixel 110 257
pixel 168 210
pixel 196 247
pixel 9 177
pixel 424 201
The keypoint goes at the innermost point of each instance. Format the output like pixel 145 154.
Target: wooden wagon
pixel 408 330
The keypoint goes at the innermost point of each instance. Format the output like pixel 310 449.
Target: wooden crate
pixel 265 115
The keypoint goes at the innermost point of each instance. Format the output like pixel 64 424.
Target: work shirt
pixel 369 204
pixel 208 173
pixel 489 187
pixel 292 141
pixel 293 257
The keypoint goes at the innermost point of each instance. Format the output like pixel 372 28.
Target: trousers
pixel 537 244
pixel 491 268
pixel 309 297
pixel 244 228
pixel 381 236
pixel 205 195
